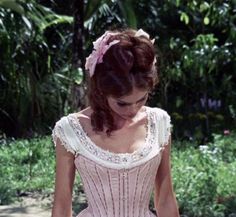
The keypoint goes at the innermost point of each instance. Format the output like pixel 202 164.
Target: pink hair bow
pixel 100 47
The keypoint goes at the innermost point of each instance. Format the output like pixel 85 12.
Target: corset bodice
pixel 116 184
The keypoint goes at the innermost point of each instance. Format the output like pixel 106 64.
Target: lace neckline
pixel 97 150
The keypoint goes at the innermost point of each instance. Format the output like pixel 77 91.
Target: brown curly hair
pixel 125 65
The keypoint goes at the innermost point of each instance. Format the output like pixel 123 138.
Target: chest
pixel 124 141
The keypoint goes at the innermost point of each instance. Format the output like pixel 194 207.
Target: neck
pixel 124 123
pixel 119 122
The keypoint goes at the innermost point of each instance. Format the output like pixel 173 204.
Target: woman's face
pixel 127 106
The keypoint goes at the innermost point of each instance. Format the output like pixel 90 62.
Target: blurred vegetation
pixel 195 42
pixel 26 165
pixel 203 176
pixel 34 67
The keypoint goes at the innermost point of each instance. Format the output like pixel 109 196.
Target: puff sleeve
pixel 61 131
pixel 163 124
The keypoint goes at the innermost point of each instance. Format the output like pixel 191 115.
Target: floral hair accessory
pixel 100 47
pixel 140 32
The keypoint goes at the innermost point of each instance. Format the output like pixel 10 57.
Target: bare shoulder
pixel 84 117
pixel 85 113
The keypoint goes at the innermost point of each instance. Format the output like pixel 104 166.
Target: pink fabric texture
pixel 116 185
pixel 113 193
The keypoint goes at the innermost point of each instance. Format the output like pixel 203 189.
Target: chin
pixel 128 117
pixel 123 117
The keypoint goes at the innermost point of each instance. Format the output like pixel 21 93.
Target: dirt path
pixel 28 207
pixel 23 211
pixel 36 205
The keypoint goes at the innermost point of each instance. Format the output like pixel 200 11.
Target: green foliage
pixel 26 165
pixel 225 147
pixel 35 74
pixel 127 9
pixel 204 177
pixel 102 15
pixel 195 42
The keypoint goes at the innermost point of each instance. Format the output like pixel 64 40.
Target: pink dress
pixel 116 184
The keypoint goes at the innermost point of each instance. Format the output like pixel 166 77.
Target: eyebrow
pixel 127 103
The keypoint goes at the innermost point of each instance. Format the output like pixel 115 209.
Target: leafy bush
pixel 195 43
pixel 204 177
pixel 196 60
pixel 26 165
pixel 35 72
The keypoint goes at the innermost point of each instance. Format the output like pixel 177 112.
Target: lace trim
pixel 167 128
pixel 164 129
pixel 109 156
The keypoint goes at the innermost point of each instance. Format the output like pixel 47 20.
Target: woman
pixel 120 147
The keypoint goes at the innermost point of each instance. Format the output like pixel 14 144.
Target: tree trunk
pixel 78 57
pixel 78 92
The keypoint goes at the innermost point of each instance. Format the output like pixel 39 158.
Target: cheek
pixel 114 107
pixel 120 110
pixel 140 104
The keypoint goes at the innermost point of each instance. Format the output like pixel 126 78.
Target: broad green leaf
pixel 204 6
pixel 27 22
pixel 206 20
pixel 128 12
pixel 178 102
pixel 177 3
pixel 184 18
pixel 55 21
pixel 92 7
pixel 13 5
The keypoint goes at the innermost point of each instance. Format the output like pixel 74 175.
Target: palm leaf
pixel 127 10
pixel 13 5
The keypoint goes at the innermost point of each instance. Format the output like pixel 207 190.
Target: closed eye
pixel 121 104
pixel 143 99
